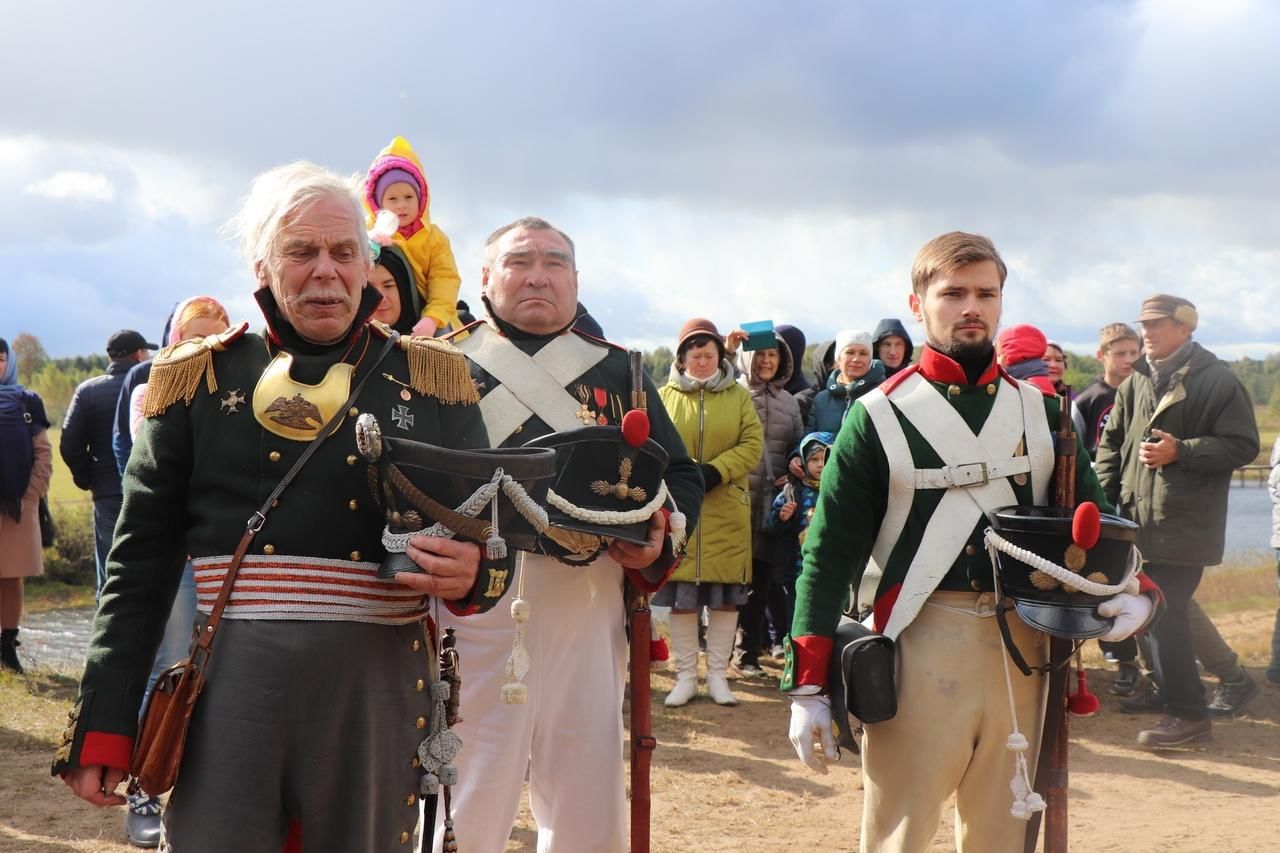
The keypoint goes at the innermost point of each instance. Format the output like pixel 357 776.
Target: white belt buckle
pixel 967 476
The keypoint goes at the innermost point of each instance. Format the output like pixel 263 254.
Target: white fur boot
pixel 721 628
pixel 684 650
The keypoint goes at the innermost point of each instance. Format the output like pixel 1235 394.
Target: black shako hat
pixel 608 479
pixel 1097 547
pixel 492 497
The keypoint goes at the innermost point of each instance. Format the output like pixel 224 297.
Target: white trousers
pixel 950 732
pixel 567 736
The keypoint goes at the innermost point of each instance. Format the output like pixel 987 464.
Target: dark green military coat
pixel 199 471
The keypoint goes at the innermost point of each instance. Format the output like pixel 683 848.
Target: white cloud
pixel 74 186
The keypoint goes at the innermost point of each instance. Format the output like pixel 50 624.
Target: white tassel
pixel 514 691
pixel 678 531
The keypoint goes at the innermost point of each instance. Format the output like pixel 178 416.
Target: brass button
pixel 421 723
pixel 517 430
pixel 395 519
pixel 969 549
pixel 274 456
pixel 417 645
pixel 355 556
pixel 353 504
pixel 410 800
pixel 351 460
pixel 975 586
pixel 404 838
pixel 415 762
pixel 420 686
pixel 268 549
pixel 352 412
pixel 275 503
pixel 991 389
pixel 953 390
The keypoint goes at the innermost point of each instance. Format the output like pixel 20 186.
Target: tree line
pixel 55 379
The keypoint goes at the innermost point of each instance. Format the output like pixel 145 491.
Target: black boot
pixel 9 650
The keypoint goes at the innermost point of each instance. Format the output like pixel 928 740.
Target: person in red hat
pixel 1020 350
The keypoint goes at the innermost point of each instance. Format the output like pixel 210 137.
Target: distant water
pixel 1248 519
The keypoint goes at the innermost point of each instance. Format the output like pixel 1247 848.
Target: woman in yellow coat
pixel 718 422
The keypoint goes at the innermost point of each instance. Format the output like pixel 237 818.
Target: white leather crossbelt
pixel 972 474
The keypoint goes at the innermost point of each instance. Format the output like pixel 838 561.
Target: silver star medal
pixel 232 402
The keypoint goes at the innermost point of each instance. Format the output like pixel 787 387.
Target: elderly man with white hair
pixel 318 695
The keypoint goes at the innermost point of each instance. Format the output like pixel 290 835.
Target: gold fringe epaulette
pixel 436 368
pixel 177 370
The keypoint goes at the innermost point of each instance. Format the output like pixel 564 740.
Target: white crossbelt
pixel 974 477
pixel 530 385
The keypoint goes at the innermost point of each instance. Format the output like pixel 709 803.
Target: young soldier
pixel 901 516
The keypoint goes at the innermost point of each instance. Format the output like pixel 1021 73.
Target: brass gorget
pixel 295 410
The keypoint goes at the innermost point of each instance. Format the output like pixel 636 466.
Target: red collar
pixel 937 367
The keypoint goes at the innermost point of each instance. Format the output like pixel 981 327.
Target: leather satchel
pixel 48 528
pixel 162 735
pixel 861 678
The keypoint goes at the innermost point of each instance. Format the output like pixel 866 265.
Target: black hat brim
pixel 1071 622
pixel 636 533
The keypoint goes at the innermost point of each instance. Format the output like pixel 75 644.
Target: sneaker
pixel 1230 697
pixel 750 670
pixel 1175 731
pixel 1144 701
pixel 142 820
pixel 777 652
pixel 1127 679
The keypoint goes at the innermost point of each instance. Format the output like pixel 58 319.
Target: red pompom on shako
pixel 1086 525
pixel 635 427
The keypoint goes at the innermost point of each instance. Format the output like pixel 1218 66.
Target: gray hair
pixel 275 196
pixel 529 223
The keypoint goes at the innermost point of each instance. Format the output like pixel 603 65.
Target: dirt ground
pixel 725 779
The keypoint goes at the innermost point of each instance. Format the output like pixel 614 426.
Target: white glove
pixel 1131 612
pixel 810 718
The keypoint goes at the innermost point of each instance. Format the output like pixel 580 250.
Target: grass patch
pixel 1245 583
pixel 34 708
pixel 62 489
pixel 45 594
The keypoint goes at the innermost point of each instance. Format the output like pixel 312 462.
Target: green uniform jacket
pixel 1182 507
pixel 199 471
pixel 852 503
pixel 606 389
pixel 721 428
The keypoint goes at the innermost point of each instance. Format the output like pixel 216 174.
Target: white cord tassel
pixel 679 531
pixel 1025 801
pixel 514 691
pixel 495 547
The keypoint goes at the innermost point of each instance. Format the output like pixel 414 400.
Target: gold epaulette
pixel 177 369
pixel 436 368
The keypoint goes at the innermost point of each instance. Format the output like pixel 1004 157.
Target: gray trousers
pixel 314 721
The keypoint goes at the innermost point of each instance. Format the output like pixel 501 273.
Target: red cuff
pixel 812 659
pixel 114 751
pixel 458 608
pixel 666 563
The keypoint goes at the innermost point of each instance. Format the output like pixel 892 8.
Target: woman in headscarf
pixel 26 465
pixel 715 417
pixel 392 276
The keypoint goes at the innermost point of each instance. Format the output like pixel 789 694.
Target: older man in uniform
pixel 901 515
pixel 537 375
pixel 315 702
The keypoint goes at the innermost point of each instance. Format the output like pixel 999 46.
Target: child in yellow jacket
pixel 397 183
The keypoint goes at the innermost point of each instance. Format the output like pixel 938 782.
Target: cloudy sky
pixel 735 159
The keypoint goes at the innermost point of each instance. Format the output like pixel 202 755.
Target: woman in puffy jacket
pixel 765 374
pixel 718 424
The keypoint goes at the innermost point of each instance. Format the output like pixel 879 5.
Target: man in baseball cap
pixel 126 342
pixel 1181 424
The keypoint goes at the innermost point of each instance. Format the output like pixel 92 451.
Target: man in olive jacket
pixel 1181 424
